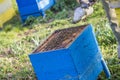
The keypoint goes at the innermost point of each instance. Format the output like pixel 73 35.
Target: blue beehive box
pixel 33 7
pixel 69 54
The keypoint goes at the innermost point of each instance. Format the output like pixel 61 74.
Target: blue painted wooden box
pixel 81 59
pixel 33 7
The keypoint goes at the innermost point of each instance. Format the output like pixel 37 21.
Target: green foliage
pixel 64 4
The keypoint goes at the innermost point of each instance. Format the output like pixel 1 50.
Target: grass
pixel 18 41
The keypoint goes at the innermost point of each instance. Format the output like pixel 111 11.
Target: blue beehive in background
pixel 69 54
pixel 33 7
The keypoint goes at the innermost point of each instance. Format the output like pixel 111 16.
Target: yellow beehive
pixel 117 10
pixel 7 11
pixel 1 1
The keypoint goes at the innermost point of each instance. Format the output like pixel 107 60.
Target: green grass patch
pixel 17 41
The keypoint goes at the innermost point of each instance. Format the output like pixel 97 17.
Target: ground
pixel 18 41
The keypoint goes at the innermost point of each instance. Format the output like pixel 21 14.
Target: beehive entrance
pixel 60 39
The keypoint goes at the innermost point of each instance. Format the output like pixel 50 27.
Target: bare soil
pixel 60 39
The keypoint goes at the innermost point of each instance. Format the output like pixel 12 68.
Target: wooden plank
pixel 7 11
pixel 7 15
pixel 80 61
pixel 54 65
pixel 23 3
pixel 28 10
pixel 86 56
pixel 84 49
